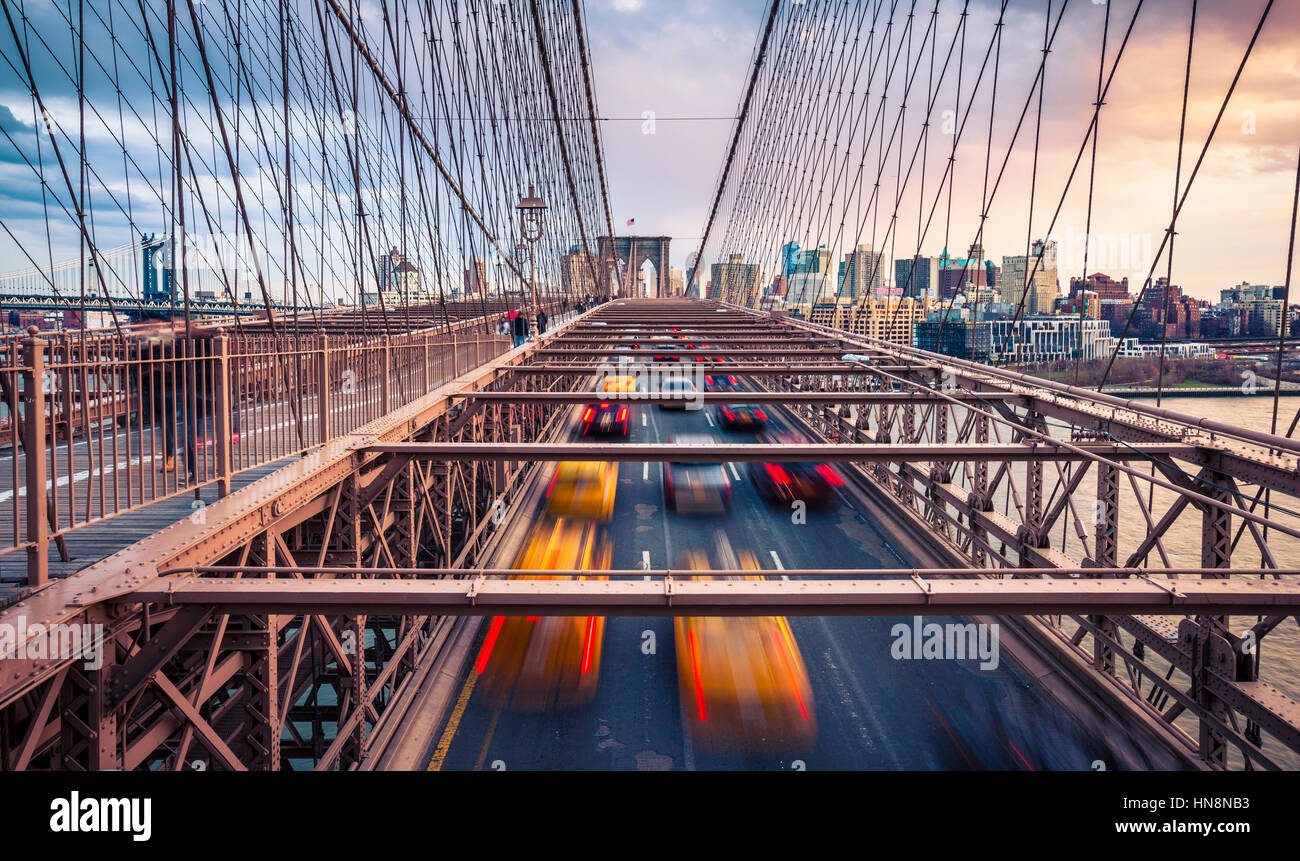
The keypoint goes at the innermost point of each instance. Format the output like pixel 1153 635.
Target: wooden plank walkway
pixel 116 469
pixel 93 542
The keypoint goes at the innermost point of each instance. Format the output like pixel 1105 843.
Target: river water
pixel 1181 544
pixel 1280 649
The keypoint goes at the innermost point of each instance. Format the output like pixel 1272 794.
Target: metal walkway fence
pixel 93 425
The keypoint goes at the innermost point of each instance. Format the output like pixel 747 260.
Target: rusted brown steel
pixel 944 495
pixel 115 410
pixel 363 504
pixel 760 452
pixel 608 361
pixel 733 397
pixel 856 593
pixel 335 505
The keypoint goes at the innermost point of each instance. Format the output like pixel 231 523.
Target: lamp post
pixel 532 221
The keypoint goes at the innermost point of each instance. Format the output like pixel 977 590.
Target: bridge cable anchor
pixel 474 589
pixel 924 585
pixel 1166 586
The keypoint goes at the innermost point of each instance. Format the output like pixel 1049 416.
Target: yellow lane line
pixel 453 723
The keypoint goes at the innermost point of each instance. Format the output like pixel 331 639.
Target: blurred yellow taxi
pixel 541 662
pixel 583 488
pixel 743 682
pixel 619 384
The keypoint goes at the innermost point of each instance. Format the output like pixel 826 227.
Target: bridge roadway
pixel 873 712
pixel 1042 707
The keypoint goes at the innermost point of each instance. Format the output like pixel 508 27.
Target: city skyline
pixel 1242 192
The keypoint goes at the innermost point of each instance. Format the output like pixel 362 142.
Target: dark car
pixel 663 344
pixel 678 353
pixel 741 416
pixel 696 487
pixel 813 483
pixel 605 419
pixel 714 383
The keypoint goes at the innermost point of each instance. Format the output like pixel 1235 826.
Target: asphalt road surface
pixel 873 711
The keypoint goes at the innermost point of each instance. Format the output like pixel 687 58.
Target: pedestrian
pixel 541 320
pixel 520 326
pixel 170 377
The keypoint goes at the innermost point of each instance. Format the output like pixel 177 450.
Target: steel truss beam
pixel 733 397
pixel 191 675
pixel 856 453
pixel 850 593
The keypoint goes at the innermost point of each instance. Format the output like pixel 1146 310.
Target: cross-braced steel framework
pixel 230 647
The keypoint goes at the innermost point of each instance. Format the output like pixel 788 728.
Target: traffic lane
pixel 855 729
pixel 633 723
pixel 973 717
pixel 637 721
pixel 931 714
pixel 875 711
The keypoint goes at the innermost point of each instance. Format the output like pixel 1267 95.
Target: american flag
pixel 631 221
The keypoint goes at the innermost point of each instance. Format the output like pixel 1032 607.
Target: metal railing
pixel 93 425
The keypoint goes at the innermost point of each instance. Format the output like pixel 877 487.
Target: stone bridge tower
pixel 634 251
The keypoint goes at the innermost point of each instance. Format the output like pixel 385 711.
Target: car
pixel 606 418
pixel 713 383
pixel 742 681
pixel 810 482
pixel 696 487
pixel 664 344
pixel 583 488
pixel 683 391
pixel 701 358
pixel 540 663
pixel 610 417
pixel 625 383
pixel 741 416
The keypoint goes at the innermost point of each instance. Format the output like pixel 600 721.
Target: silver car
pixel 696 487
pixel 683 390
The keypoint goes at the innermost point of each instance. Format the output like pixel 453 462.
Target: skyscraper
pixel 917 277
pixel 1042 291
pixel 809 279
pixel 476 276
pixel 860 275
pixel 399 280
pixel 734 281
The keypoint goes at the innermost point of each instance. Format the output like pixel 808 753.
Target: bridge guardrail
pixel 93 426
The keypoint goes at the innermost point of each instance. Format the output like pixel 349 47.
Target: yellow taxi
pixel 619 384
pixel 742 681
pixel 583 488
pixel 536 663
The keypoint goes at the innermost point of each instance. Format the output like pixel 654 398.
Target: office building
pixel 1041 298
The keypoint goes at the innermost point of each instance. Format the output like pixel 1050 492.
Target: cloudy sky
pixel 687 61
pixel 684 58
